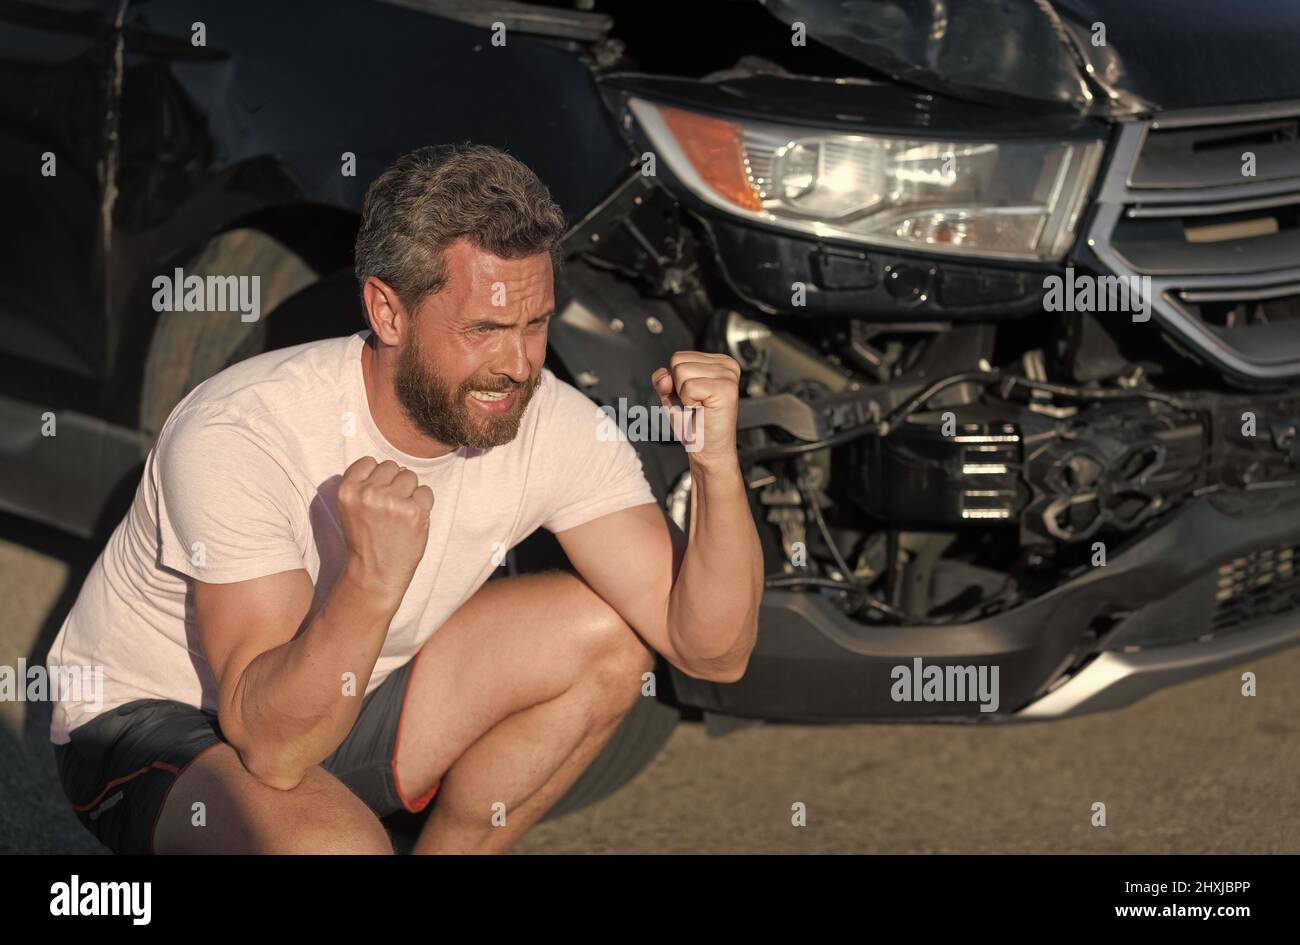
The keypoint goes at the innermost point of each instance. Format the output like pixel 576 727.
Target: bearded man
pixel 294 619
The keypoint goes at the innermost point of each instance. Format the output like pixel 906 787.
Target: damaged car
pixel 1015 287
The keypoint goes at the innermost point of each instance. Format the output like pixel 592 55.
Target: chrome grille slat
pixel 1238 114
pixel 1220 168
pixel 1231 257
pixel 1233 295
pixel 1205 209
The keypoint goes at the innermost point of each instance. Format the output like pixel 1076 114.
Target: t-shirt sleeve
pixel 590 470
pixel 226 505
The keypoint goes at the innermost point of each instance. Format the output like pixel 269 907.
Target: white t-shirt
pixel 242 483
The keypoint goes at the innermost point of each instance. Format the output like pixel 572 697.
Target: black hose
pixel 811 501
pixel 794 580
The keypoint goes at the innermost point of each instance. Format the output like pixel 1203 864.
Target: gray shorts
pixel 119 767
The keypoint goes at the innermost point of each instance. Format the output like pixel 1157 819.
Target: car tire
pixel 189 347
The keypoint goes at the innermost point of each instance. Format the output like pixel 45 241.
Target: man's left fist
pixel 701 391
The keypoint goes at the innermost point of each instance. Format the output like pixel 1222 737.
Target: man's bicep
pixel 631 559
pixel 239 621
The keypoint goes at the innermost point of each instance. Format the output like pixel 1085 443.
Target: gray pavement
pixel 1197 768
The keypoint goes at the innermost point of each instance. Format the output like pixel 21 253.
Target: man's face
pixel 474 353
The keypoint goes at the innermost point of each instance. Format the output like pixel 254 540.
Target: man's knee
pixel 320 815
pixel 604 633
pixel 217 807
pixel 283 826
pixel 611 659
pixel 616 669
pixel 353 833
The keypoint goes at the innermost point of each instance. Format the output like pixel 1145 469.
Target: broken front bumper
pixel 1216 582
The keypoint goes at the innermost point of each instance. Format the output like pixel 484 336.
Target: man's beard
pixel 447 417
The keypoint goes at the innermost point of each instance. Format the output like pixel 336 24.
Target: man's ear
pixel 385 310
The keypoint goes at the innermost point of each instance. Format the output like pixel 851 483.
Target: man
pixel 294 619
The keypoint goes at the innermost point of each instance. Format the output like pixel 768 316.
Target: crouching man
pixel 295 621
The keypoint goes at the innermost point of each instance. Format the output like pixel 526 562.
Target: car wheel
pixel 189 347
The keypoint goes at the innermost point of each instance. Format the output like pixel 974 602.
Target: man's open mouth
pixel 495 401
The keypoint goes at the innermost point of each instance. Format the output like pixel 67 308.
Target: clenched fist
pixel 701 391
pixel 384 512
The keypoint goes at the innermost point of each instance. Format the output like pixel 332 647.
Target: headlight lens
pixel 1009 199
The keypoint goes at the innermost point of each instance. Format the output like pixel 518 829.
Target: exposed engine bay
pixel 919 470
pixel 935 475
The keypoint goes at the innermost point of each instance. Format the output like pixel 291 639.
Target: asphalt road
pixel 1197 768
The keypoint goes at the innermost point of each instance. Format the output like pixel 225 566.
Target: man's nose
pixel 512 359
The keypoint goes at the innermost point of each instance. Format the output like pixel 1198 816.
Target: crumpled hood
pixel 1158 54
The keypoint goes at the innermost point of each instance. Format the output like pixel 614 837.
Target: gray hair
pixel 434 195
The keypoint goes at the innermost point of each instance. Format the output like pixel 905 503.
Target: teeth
pixel 488 395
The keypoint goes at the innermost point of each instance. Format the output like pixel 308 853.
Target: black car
pixel 1015 286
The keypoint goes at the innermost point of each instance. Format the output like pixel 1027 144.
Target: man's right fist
pixel 384 512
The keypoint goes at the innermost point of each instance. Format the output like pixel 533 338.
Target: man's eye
pixel 483 330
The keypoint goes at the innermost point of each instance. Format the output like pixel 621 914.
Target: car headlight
pixel 1011 199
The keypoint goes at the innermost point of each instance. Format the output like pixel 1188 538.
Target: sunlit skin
pixel 455 341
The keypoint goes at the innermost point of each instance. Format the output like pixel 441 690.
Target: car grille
pixel 1255 586
pixel 1221 249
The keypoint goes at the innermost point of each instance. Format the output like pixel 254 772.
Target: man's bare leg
pixel 243 815
pixel 526 762
pixel 510 701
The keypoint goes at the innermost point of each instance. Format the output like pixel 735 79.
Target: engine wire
pixel 909 406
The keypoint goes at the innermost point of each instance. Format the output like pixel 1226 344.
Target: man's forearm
pixel 290 710
pixel 713 608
